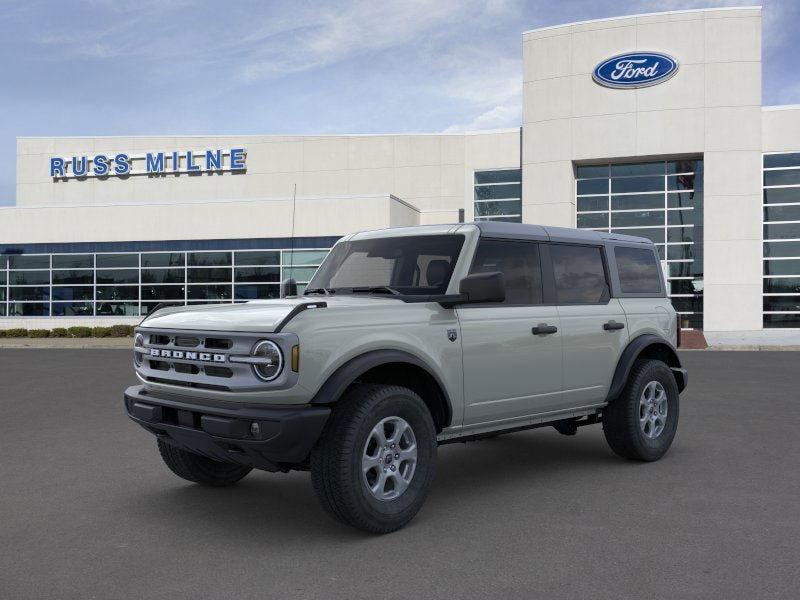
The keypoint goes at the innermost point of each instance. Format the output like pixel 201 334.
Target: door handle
pixel 544 329
pixel 612 325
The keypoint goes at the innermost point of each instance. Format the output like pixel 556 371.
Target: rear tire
pixel 641 423
pixel 199 469
pixel 375 461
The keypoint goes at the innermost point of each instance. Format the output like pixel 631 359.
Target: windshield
pixel 410 265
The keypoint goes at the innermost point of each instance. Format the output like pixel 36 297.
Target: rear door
pixel 593 324
pixel 641 290
pixel 511 350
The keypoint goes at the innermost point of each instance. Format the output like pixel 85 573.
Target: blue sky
pixel 152 67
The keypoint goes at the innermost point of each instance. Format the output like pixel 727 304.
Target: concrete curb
pixel 56 343
pixel 753 347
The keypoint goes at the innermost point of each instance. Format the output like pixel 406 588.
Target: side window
pixel 638 271
pixel 579 274
pixel 519 264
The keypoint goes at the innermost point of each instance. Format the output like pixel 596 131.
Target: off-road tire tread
pixel 199 469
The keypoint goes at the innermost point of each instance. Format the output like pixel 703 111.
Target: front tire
pixel 199 469
pixel 641 423
pixel 375 461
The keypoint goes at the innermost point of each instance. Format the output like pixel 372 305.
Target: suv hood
pixel 261 316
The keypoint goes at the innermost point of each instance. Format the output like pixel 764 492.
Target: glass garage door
pixel 662 201
pixel 781 302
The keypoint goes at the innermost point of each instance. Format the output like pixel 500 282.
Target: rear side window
pixel 638 271
pixel 579 274
pixel 519 264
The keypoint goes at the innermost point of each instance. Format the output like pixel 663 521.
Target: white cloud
pixel 332 35
pixel 497 117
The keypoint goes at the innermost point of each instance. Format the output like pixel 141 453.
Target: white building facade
pixel 669 140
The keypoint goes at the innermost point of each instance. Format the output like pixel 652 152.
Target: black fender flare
pixel 340 380
pixel 633 350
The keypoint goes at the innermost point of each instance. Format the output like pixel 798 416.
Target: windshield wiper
pixel 376 289
pixel 325 291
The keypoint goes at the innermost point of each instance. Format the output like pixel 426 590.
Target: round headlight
pixel 138 342
pixel 271 363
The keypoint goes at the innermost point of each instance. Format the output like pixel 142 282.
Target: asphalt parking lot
pixel 87 509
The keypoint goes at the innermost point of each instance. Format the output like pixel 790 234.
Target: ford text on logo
pixel 151 163
pixel 180 354
pixel 635 70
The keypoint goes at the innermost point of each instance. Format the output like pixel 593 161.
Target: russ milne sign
pixel 635 70
pixel 151 163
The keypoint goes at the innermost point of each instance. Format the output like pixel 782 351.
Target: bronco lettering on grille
pixel 182 354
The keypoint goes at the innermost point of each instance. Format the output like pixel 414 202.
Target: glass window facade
pixel 781 276
pixel 129 284
pixel 659 200
pixel 498 195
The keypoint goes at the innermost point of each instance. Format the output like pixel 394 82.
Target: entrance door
pixel 512 351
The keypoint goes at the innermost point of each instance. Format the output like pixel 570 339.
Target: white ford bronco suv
pixel 406 339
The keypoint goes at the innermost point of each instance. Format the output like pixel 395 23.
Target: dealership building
pixel 650 125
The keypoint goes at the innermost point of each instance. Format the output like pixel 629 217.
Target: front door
pixel 512 352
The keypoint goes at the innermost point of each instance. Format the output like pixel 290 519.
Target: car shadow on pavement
pixel 270 507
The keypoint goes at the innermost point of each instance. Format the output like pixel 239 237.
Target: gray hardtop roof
pixel 524 231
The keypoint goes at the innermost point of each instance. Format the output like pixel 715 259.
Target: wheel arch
pixel 646 346
pixel 394 367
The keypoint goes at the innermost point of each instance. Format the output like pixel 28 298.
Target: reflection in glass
pixel 73 261
pixel 73 292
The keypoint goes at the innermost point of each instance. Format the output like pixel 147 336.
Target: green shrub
pixel 121 330
pixel 80 332
pixel 60 332
pixel 16 332
pixel 101 332
pixel 38 333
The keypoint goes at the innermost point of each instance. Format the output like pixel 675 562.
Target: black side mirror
pixel 483 287
pixel 477 288
pixel 288 288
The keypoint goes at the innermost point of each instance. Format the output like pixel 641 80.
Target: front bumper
pixel 283 437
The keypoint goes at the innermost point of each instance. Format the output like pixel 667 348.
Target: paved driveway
pixel 87 510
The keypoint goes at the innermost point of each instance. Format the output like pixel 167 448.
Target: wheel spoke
pixel 379 434
pixel 407 453
pixel 400 484
pixel 380 484
pixel 400 428
pixel 370 462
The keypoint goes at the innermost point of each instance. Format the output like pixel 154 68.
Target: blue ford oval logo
pixel 635 70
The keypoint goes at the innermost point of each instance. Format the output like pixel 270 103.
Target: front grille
pixel 186 368
pixel 193 359
pixel 213 371
pixel 218 344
